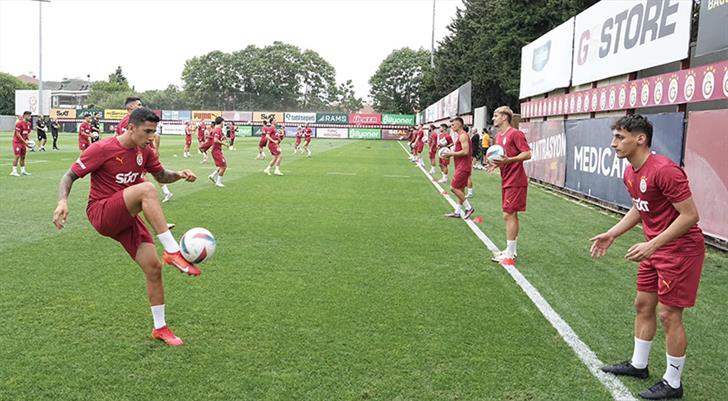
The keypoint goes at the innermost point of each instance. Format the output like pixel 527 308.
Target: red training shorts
pixel 112 219
pixel 444 162
pixel 188 140
pixel 514 199
pixel 419 147
pixel 674 278
pixel 274 149
pixel 219 158
pixel 19 149
pixel 308 140
pixel 262 142
pixel 83 145
pixel 460 179
pixel 298 141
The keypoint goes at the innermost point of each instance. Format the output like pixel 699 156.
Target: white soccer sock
pixel 218 179
pixel 168 241
pixel 166 190
pixel 466 203
pixel 15 169
pixel 674 370
pixel 158 316
pixel 511 247
pixel 458 209
pixel 641 354
pixel 214 174
pixel 470 191
pixel 22 169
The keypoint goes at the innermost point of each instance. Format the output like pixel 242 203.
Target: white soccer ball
pixel 94 135
pixel 197 245
pixel 31 143
pixel 442 152
pixel 442 142
pixel 495 152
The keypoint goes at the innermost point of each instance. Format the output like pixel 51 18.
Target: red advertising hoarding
pixel 365 119
pixel 706 164
pixel 547 140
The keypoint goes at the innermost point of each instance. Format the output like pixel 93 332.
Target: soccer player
pixel 95 128
pixel 444 140
pixel 206 143
pixel 432 143
pixel 514 182
pixel 131 103
pixel 267 128
pixel 232 129
pixel 41 130
pixel 157 140
pixel 671 258
pixel 20 144
pixel 54 132
pixel 307 139
pixel 201 128
pixel 299 138
pixel 188 139
pixel 273 139
pixel 218 139
pixel 419 144
pixel 118 193
pixel 281 134
pixel 463 168
pixel 84 133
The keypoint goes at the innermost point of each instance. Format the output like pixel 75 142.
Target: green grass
pixel 324 287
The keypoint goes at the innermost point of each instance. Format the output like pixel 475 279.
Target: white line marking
pixel 28 162
pixel 337 173
pixel 396 176
pixel 619 391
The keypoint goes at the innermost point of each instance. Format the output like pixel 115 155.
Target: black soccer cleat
pixel 626 369
pixel 662 391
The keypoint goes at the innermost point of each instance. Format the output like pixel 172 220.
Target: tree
pixel 396 86
pixel 346 98
pixel 8 85
pixel 110 94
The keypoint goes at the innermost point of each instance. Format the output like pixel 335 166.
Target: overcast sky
pixel 152 39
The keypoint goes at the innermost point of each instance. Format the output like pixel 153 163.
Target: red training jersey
pixel 216 133
pixel 299 133
pixel 654 188
pixel 307 132
pixel 462 163
pixel 419 136
pixel 232 130
pixel 444 137
pixel 514 143
pixel 123 124
pixel 201 132
pixel 187 131
pixel 84 133
pixel 433 140
pixel 22 128
pixel 114 167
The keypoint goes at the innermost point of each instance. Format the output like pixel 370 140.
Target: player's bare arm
pixel 168 176
pixel 64 188
pixel 465 147
pixel 688 217
pixel 602 242
pixel 521 157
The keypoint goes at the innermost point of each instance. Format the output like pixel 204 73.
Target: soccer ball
pixel 442 152
pixel 31 143
pixel 443 142
pixel 495 152
pixel 197 245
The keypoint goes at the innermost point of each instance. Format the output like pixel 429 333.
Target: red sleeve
pixel 673 183
pixel 19 127
pixel 89 161
pixel 152 165
pixel 521 142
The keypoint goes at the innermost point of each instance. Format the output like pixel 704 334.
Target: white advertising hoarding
pixel 173 129
pixel 27 100
pixel 338 133
pixel 299 117
pixel 615 37
pixel 546 62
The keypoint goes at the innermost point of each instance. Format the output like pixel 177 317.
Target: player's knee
pixel 643 307
pixel 669 317
pixel 147 188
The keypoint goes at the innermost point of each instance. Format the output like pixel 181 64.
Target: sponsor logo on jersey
pixel 641 205
pixel 126 178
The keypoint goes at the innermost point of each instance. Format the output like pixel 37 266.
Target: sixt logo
pixel 126 178
pixel 641 205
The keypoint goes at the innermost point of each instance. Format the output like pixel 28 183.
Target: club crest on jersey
pixel 643 184
pixel 140 159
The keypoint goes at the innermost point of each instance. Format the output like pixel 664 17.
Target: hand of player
pixel 490 167
pixel 640 251
pixel 60 214
pixel 501 162
pixel 187 175
pixel 600 244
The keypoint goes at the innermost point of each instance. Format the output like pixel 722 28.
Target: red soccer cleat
pixel 166 335
pixel 178 261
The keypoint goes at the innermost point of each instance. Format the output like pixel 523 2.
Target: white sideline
pixel 619 391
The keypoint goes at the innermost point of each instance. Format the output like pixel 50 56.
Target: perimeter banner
pixel 713 27
pixel 365 133
pixel 547 140
pixel 112 114
pixel 204 115
pixel 63 114
pixel 398 119
pixel 300 117
pixel 392 134
pixel 180 115
pixel 338 133
pixel 332 118
pixel 706 165
pixel 237 115
pixel 365 119
pixel 546 62
pixel 260 116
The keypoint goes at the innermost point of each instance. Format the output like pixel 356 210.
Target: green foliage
pixel 110 94
pixel 8 85
pixel 346 98
pixel 397 87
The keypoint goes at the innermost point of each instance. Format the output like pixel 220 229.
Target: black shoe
pixel 626 369
pixel 662 391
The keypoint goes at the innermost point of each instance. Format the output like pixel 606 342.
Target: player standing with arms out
pixel 54 132
pixel 444 140
pixel 432 143
pixel 218 139
pixel 131 103
pixel 299 138
pixel 84 133
pixel 20 144
pixel 671 258
pixel 307 139
pixel 157 142
pixel 463 168
pixel 275 151
pixel 118 193
pixel 188 139
pixel 514 182
pixel 232 130
pixel 41 130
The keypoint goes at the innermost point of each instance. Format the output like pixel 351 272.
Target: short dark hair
pixel 141 115
pixel 635 123
pixel 458 119
pixel 131 99
pixel 219 120
pixel 86 115
pixel 443 125
pixel 27 113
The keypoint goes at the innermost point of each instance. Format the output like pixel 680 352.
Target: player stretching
pixel 444 140
pixel 307 139
pixel 200 134
pixel 671 258
pixel 514 182
pixel 84 133
pixel 118 193
pixel 299 138
pixel 274 140
pixel 20 144
pixel 463 168
pixel 267 127
pixel 188 139
pixel 232 129
pixel 131 103
pixel 432 143
pixel 206 143
pixel 218 139
pixel 157 141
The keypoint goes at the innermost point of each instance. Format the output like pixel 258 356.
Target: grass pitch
pixel 339 281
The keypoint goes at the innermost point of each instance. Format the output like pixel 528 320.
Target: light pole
pixel 432 40
pixel 40 55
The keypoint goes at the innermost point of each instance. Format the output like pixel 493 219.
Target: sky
pixel 151 39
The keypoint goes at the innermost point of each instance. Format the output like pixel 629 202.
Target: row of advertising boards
pixel 576 154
